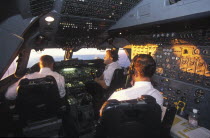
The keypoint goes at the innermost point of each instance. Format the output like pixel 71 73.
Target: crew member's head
pixel 143 65
pixel 46 61
pixel 111 56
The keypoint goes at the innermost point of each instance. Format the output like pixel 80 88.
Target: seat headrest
pixel 38 81
pixel 132 118
pixel 143 99
pixel 133 103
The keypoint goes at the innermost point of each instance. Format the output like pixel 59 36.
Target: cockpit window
pixel 82 54
pixel 89 53
pixel 58 55
pixel 123 58
pixel 93 53
pixel 11 69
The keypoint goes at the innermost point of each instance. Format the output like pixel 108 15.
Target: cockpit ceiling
pixel 102 9
pixel 38 7
pixel 75 30
pixel 74 26
pixel 81 22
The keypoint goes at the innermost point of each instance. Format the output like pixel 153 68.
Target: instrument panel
pixel 77 76
pixel 183 68
pixel 77 72
pixel 184 63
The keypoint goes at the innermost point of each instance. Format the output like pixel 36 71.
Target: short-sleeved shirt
pixel 11 93
pixel 140 88
pixel 109 71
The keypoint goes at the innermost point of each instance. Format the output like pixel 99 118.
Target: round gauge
pixel 192 62
pixel 159 70
pixel 200 64
pixel 207 83
pixel 168 66
pixel 205 52
pixel 172 34
pixel 197 51
pixel 178 91
pixel 163 65
pixel 167 59
pixel 199 93
pixel 184 61
pixel 197 100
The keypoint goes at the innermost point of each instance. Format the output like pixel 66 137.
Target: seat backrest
pixel 130 119
pixel 118 80
pixel 38 99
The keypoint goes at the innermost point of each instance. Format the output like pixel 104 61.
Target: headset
pixel 114 54
pixel 131 70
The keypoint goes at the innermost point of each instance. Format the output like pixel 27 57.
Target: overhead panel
pixel 41 6
pixel 83 21
pixel 76 30
pixel 104 9
pixel 74 26
pixel 155 12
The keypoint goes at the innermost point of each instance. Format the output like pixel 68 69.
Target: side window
pixel 123 58
pixel 11 69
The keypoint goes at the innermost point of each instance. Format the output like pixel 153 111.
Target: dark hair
pixel 113 54
pixel 144 64
pixel 46 60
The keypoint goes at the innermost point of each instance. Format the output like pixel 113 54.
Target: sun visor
pixel 9 46
pixel 120 42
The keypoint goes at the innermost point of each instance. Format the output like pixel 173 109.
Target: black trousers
pixel 98 93
pixel 70 126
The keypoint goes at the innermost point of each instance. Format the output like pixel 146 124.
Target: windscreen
pixel 82 54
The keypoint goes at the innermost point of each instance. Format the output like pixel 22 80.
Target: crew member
pixel 110 60
pixel 142 69
pixel 98 88
pixel 46 68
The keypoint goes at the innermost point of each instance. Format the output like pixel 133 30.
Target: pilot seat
pixel 118 81
pixel 100 95
pixel 39 107
pixel 138 118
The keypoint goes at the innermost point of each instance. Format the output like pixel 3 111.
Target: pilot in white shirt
pixel 46 66
pixel 139 88
pixel 110 60
pixel 142 69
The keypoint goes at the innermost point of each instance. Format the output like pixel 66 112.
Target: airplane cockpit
pixel 77 34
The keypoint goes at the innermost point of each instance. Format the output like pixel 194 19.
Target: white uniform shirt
pixel 109 71
pixel 11 93
pixel 139 88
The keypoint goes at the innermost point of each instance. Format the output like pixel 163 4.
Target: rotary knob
pixel 197 100
pixel 178 92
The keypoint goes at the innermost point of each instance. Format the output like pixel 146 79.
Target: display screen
pixel 77 76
